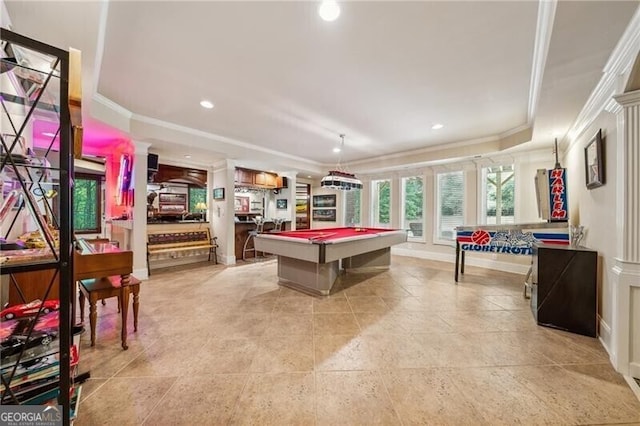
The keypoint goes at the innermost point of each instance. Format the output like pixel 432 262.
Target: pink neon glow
pixel 98 140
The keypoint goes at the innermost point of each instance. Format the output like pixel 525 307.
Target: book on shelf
pixel 30 366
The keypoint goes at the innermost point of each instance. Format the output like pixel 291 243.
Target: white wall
pixel 319 224
pixel 595 209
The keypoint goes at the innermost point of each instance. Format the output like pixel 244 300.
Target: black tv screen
pixel 152 162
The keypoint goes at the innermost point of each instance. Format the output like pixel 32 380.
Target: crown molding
pixel 619 63
pixel 117 108
pixel 211 136
pixel 613 106
pixel 141 147
pixel 544 29
pixel 627 99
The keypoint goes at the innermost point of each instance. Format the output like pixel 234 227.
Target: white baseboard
pixel 515 268
pixel 227 260
pixel 421 254
pixel 634 369
pixel 633 385
pixel 604 335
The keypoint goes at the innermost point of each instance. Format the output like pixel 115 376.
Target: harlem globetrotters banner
pixel 558 194
pixel 509 239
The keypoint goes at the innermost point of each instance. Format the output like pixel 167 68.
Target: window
pixel 413 206
pixel 450 200
pixel 196 195
pixel 381 198
pixel 352 208
pixel 498 188
pixel 86 204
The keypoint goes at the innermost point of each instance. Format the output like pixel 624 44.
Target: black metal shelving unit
pixel 36 166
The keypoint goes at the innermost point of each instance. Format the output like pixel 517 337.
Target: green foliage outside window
pixel 352 207
pixel 500 181
pixel 451 194
pixel 86 204
pixel 413 198
pixel 196 195
pixel 384 201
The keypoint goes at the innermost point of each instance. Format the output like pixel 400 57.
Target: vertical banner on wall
pixel 558 195
pixel 124 185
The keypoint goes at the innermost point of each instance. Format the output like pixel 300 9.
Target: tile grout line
pixel 386 390
pixel 176 378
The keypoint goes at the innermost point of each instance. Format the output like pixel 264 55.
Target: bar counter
pixel 242 232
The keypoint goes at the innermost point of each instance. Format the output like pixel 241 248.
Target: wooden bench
pixel 181 241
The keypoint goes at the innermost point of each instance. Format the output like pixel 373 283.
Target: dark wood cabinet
pixel 282 182
pixel 168 173
pixel 271 180
pixel 260 178
pixel 564 290
pixel 246 177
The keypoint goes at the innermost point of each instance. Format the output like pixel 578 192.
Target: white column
pixel 626 271
pixel 139 231
pixel 396 208
pixel 222 213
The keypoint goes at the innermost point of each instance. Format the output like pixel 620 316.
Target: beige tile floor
pixel 218 346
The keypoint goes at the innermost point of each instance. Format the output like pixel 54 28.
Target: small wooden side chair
pixel 96 289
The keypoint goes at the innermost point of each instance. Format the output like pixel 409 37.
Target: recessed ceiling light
pixel 48 134
pixel 437 126
pixel 187 156
pixel 329 10
pixel 206 104
pixel 336 149
pixel 308 177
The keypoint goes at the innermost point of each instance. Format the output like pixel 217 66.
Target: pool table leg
pixel 455 275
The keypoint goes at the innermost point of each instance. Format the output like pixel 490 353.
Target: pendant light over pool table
pixel 339 178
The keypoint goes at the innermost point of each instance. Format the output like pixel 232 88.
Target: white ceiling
pixel 286 84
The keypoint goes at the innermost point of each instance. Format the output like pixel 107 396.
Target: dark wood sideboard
pixel 564 290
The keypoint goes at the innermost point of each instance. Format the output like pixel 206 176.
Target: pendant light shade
pixel 340 179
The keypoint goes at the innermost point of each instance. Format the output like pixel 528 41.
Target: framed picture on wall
pixel 281 204
pixel 218 193
pixel 241 205
pixel 324 200
pixel 594 162
pixel 301 205
pixel 324 215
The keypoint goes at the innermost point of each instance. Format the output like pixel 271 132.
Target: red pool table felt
pixel 328 234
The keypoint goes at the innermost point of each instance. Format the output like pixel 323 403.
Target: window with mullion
pixel 381 198
pixel 413 206
pixel 352 201
pixel 196 195
pixel 450 204
pixel 498 195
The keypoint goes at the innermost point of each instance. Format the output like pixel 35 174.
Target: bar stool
pixel 252 234
pixel 277 224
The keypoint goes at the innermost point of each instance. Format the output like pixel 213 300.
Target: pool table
pixel 309 260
